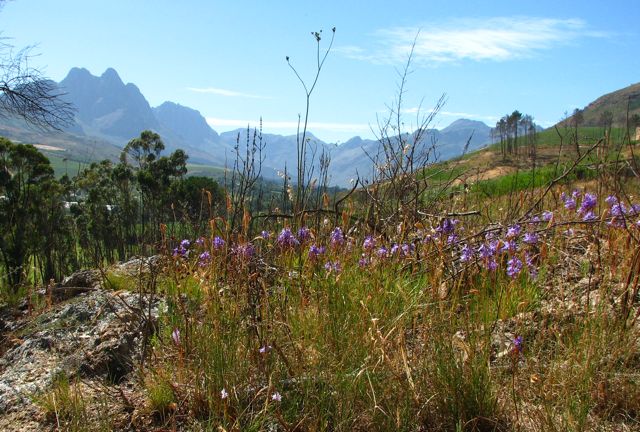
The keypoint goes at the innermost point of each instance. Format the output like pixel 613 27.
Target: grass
pixel 413 340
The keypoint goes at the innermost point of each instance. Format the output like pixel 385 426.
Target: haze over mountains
pixel 110 113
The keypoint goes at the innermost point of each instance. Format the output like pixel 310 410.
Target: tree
pixel 153 174
pixel 26 181
pixel 576 120
pixel 26 93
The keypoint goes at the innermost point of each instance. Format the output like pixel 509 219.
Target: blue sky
pixel 227 59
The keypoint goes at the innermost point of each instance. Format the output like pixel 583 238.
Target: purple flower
pixel 304 234
pixel 265 349
pixel 218 243
pixel 513 231
pixel 315 251
pixel 265 234
pixel 175 335
pixel 452 239
pixel 185 244
pixel 570 204
pixel 244 251
pixel 530 238
pixel 589 216
pixel 485 251
pixel 589 202
pixel 333 267
pixel 369 243
pixel 618 210
pixel 223 394
pixel 337 238
pixel 533 271
pixel 286 239
pixel 276 397
pixel 447 226
pixel 200 241
pixel 363 261
pixel 517 345
pixel 406 249
pixel 382 252
pixel 547 215
pixel 611 200
pixel 510 246
pixel 466 254
pixel 514 266
pixel 575 194
pixel 394 249
pixel 204 258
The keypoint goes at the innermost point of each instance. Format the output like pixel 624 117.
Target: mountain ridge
pixel 110 110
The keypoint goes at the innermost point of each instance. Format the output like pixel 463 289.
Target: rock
pixel 95 334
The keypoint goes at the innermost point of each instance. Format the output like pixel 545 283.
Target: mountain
pixel 106 106
pixel 616 103
pixel 110 113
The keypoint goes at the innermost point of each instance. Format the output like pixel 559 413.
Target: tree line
pixel 516 133
pixel 108 212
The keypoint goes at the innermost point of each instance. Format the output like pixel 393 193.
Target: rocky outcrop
pixel 92 334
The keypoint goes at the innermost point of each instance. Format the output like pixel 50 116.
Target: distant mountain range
pixel 110 113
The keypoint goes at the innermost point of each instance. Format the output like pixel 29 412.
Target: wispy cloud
pixel 225 92
pixel 493 39
pixel 289 125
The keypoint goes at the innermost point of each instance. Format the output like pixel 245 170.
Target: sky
pixel 227 59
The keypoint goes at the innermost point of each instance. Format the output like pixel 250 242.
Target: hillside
pixel 616 103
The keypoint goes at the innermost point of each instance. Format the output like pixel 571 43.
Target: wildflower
pixel 589 216
pixel 491 264
pixel 533 271
pixel 200 241
pixel 218 243
pixel 547 215
pixel 223 394
pixel 394 249
pixel 333 267
pixel 204 258
pixel 265 349
pixel 175 335
pixel 185 244
pixel 337 238
pixel 575 194
pixel 510 246
pixel 369 243
pixel 363 261
pixel 485 251
pixel 286 239
pixel 530 238
pixel 517 345
pixel 611 200
pixel 406 249
pixel 513 231
pixel 276 397
pixel 382 252
pixel 447 226
pixel 466 254
pixel 570 232
pixel 452 239
pixel 315 251
pixel 265 235
pixel 304 234
pixel 514 266
pixel 589 202
pixel 244 251
pixel 570 204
